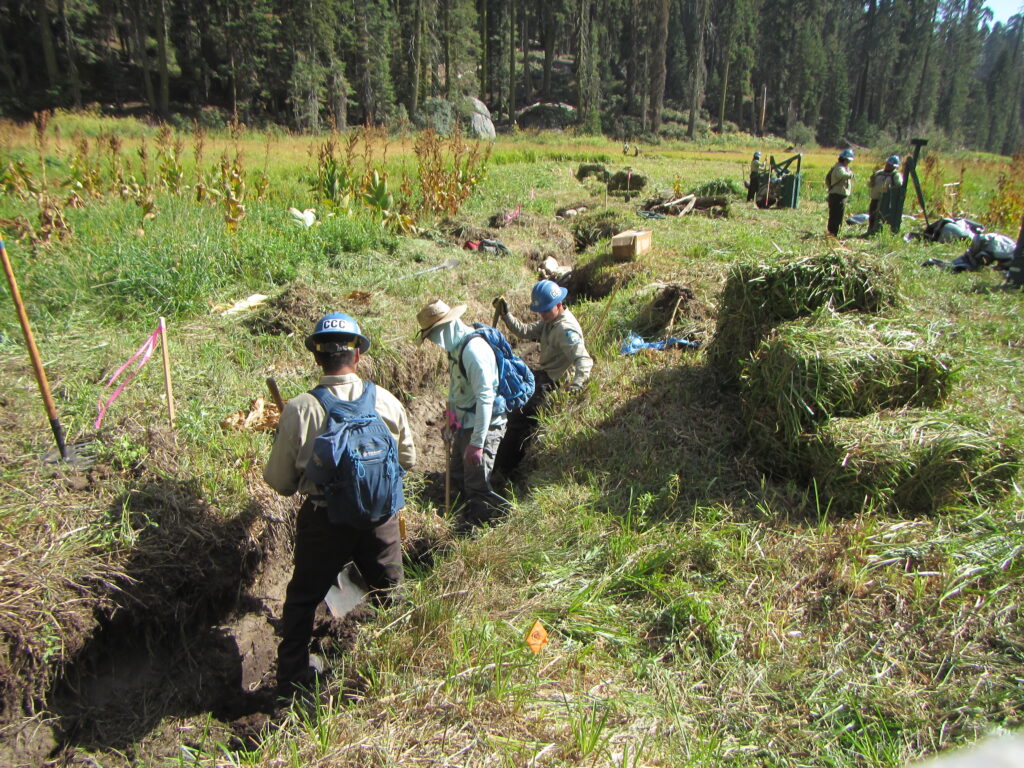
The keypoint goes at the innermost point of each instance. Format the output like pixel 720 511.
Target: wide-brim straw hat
pixel 436 313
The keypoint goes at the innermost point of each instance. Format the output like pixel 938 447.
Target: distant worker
pixel 882 181
pixel 839 182
pixel 756 169
pixel 478 424
pixel 329 530
pixel 625 147
pixel 563 360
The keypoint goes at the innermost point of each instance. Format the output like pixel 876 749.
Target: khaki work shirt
pixel 881 181
pixel 561 345
pixel 840 180
pixel 756 166
pixel 304 419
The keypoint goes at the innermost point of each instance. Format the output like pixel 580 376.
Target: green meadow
pixel 704 606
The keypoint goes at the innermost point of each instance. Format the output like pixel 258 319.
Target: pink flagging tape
pixel 142 354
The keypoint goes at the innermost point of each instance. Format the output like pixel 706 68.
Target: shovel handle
pixel 275 393
pixel 33 353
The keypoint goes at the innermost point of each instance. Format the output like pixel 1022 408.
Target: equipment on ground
pixel 515 379
pixel 779 187
pixel 354 464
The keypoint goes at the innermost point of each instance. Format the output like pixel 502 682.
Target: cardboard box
pixel 627 245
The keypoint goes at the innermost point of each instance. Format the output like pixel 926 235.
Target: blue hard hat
pixel 546 294
pixel 337 328
pixel 893 160
pixel 757 155
pixel 846 154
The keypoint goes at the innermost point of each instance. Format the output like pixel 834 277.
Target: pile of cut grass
pixel 757 297
pixel 831 365
pixel 911 462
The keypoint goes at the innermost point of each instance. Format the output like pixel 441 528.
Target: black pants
pixel 322 549
pixel 752 188
pixel 522 426
pixel 836 211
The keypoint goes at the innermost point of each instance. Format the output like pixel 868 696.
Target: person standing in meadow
pixel 839 182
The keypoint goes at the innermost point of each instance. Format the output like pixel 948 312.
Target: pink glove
pixel 474 455
pixel 453 423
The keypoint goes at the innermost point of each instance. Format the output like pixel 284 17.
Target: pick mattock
pixel 37 365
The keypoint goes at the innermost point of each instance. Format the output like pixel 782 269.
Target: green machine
pixel 781 188
pixel 890 206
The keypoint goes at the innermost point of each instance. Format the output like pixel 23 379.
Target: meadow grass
pixel 700 612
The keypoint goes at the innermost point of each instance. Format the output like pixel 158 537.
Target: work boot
pixel 307 684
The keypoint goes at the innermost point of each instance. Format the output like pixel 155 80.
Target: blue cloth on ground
pixel 635 343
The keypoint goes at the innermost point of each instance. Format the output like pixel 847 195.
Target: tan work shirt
pixel 840 180
pixel 756 166
pixel 882 180
pixel 561 345
pixel 304 419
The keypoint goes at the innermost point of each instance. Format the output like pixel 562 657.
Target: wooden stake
pixel 607 307
pixel 167 371
pixel 33 353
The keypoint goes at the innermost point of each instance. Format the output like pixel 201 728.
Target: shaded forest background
pixel 832 71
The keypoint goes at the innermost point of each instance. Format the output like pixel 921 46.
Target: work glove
pixel 501 305
pixel 453 422
pixel 474 456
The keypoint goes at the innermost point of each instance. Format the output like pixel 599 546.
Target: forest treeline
pixel 825 70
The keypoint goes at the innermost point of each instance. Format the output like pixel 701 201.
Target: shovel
pixel 349 591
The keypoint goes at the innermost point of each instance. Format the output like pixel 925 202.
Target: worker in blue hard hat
pixel 564 361
pixel 839 183
pixel 324 545
pixel 882 181
pixel 756 169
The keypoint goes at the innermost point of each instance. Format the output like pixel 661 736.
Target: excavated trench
pixel 189 630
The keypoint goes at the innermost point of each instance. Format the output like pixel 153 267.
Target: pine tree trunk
pixel 725 92
pixel 697 94
pixel 550 40
pixel 485 80
pixel 511 61
pixel 447 32
pixel 49 48
pixel 414 65
pixel 659 70
pixel 69 45
pixel 139 34
pixel 165 79
pixel 918 97
pixel 527 83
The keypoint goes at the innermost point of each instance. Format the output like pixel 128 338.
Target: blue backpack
pixel 355 461
pixel 515 379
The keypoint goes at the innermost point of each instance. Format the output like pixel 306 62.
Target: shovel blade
pixel 349 592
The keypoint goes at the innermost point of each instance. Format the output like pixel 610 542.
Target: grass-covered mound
pixel 912 462
pixel 757 297
pixel 832 365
